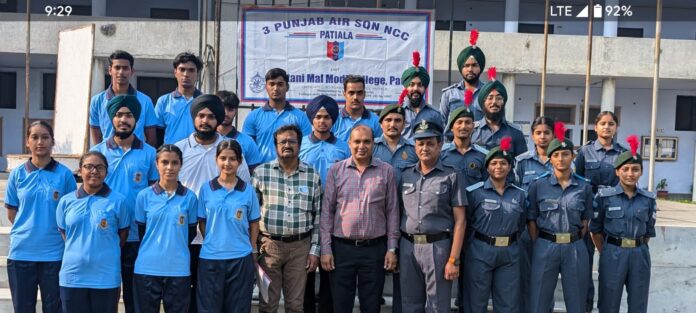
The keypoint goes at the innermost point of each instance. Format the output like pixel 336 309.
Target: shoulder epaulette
pixel 480 149
pixel 515 126
pixel 524 156
pixel 517 187
pixel 582 178
pixel 450 87
pixel 646 193
pixel 474 186
pixel 587 143
pixel 543 175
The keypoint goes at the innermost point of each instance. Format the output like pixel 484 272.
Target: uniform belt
pixel 498 241
pixel 626 242
pixel 425 238
pixel 360 242
pixel 560 237
pixel 288 238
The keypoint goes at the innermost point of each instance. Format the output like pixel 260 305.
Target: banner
pixel 318 47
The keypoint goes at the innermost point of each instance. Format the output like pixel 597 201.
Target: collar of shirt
pixel 483 123
pixel 103 192
pixel 639 191
pixel 177 94
pixel 365 114
pixel 30 167
pixel 614 146
pixel 554 181
pixel 287 107
pixel 233 133
pixel 424 107
pixel 373 162
pixel 192 143
pixel 301 167
pixel 215 184
pixel 110 92
pixel 402 142
pixel 180 189
pixel 439 166
pixel 461 85
pixel 111 143
pixel 314 139
pixel 488 184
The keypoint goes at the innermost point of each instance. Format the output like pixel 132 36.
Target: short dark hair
pixel 96 154
pixel 543 120
pixel 43 124
pixel 353 79
pixel 288 128
pixel 230 144
pixel 186 57
pixel 277 72
pixel 603 113
pixel 167 147
pixel 121 55
pixel 229 99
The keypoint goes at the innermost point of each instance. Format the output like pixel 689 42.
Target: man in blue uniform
pixel 250 150
pixel 392 147
pixel 354 112
pixel 416 80
pixel 131 169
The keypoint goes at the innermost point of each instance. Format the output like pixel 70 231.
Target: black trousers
pixel 150 291
pixel 129 253
pixel 361 266
pixel 25 277
pixel 325 301
pixel 225 285
pixel 195 251
pixel 89 300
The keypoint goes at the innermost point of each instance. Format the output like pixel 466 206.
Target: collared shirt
pixel 290 204
pixel 528 167
pixel 493 214
pixel 249 148
pixel 167 219
pixel 321 154
pixel 597 164
pixel 484 136
pixel 404 154
pixel 99 115
pixel 129 172
pixel 558 210
pixel 470 164
pixel 92 256
pixel 261 123
pixel 428 200
pixel 227 215
pixel 617 215
pixel 34 194
pixel 426 112
pixel 360 205
pixel 344 124
pixel 453 98
pixel 173 113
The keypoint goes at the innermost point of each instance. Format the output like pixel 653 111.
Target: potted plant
pixel 661 187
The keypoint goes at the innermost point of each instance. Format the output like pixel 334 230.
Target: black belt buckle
pixel 361 242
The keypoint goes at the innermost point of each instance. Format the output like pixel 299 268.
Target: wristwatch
pixel 392 250
pixel 454 261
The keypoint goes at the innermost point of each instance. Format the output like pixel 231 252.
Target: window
pixel 8 90
pixel 445 25
pixel 154 87
pixel 530 28
pixel 685 119
pixel 594 111
pixel 48 91
pixel 558 112
pixel 8 6
pixel 630 32
pixel 170 14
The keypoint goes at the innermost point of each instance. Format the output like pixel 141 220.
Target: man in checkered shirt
pixel 289 192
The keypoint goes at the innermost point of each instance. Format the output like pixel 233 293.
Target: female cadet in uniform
pixel 94 222
pixel 560 207
pixel 625 221
pixel 498 216
pixel 166 214
pixel 595 161
pixel 229 222
pixel 36 249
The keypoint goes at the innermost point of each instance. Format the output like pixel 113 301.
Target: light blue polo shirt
pixel 250 150
pixel 167 220
pixel 99 116
pixel 34 193
pixel 129 172
pixel 227 215
pixel 344 124
pixel 173 112
pixel 321 154
pixel 261 123
pixel 92 257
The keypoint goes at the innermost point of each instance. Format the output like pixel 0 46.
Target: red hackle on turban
pixel 506 144
pixel 492 73
pixel 559 130
pixel 468 97
pixel 402 96
pixel 633 142
pixel 416 58
pixel 473 37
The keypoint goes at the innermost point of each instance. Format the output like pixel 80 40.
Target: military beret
pixel 392 108
pixel 631 156
pixel 462 111
pixel 501 151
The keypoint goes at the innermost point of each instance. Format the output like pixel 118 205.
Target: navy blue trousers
pixel 25 277
pixel 129 253
pixel 89 300
pixel 225 285
pixel 150 291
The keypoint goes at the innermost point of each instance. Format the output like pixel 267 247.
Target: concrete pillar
pixel 98 7
pixel 411 4
pixel 512 15
pixel 509 82
pixel 608 94
pixel 98 72
pixel 611 23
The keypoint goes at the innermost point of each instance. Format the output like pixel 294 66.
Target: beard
pixel 473 81
pixel 123 135
pixel 206 134
pixel 415 99
pixel 495 116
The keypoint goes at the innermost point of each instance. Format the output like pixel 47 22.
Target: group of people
pixel 431 196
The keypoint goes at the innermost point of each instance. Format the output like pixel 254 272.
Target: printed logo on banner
pixel 334 50
pixel 256 83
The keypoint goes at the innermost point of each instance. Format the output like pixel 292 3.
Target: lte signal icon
pixel 597 11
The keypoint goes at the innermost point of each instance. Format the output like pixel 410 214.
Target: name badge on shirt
pixel 490 201
pixel 529 172
pixel 614 208
pixel 238 215
pixel 56 195
pixel 407 185
pixel 303 190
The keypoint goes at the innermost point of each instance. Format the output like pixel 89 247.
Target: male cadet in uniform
pixel 172 109
pixel 262 123
pixel 471 63
pixel 359 225
pixel 415 80
pixel 250 150
pixel 199 165
pixel 121 70
pixel 354 111
pixel 290 196
pixel 131 169
pixel 433 203
pixel 320 150
pixel 493 126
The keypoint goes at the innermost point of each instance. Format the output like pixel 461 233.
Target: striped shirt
pixel 360 205
pixel 290 204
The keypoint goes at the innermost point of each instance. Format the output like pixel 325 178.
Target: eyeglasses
pixel 91 167
pixel 496 98
pixel 287 142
